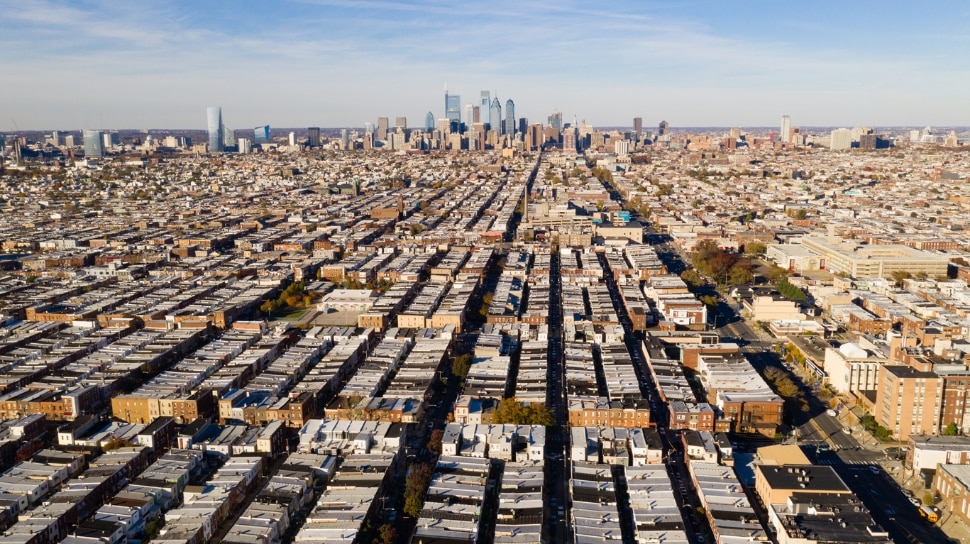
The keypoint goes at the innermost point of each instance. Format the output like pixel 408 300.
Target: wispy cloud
pixel 340 62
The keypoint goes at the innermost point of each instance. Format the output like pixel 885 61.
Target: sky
pixel 339 63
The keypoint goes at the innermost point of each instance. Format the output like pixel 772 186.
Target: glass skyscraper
pixel 453 110
pixel 484 105
pixel 213 116
pixel 261 135
pixel 429 122
pixel 495 116
pixel 509 116
pixel 93 143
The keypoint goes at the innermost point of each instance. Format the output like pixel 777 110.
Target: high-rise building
pixel 314 136
pixel 93 143
pixel 344 139
pixel 841 139
pixel 638 126
pixel 483 106
pixel 785 129
pixel 245 146
pixel 228 138
pixel 662 128
pixel 569 141
pixel 261 135
pixel 523 125
pixel 401 122
pixel 509 116
pixel 555 125
pixel 381 128
pixel 213 116
pixel 291 139
pixel 495 116
pixel 453 109
pixel 369 128
pixel 469 116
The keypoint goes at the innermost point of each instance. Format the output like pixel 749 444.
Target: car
pixel 873 469
pixel 699 537
pixel 915 501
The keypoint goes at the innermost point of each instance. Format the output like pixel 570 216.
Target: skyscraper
pixel 381 128
pixel 344 139
pixel 495 116
pixel 93 143
pixel 841 139
pixel 261 135
pixel 509 116
pixel 662 128
pixel 213 116
pixel 314 136
pixel 401 122
pixel 638 125
pixel 785 129
pixel 484 104
pixel 429 122
pixel 453 109
pixel 555 123
pixel 469 116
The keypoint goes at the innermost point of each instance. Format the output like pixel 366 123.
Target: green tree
pixel 951 429
pixel 387 534
pixel 739 275
pixel 511 411
pixel 790 291
pixel 899 276
pixel 461 365
pixel 755 248
pixel 691 278
pixel 415 487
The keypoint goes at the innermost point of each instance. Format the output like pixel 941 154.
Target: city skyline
pixel 702 64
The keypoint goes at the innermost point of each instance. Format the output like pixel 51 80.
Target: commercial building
pixel 93 143
pixel 874 261
pixel 216 129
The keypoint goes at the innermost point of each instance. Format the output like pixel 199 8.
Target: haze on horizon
pixel 331 63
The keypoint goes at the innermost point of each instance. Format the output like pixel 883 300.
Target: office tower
pixel 68 140
pixel 213 116
pixel 495 116
pixel 314 136
pixel 841 139
pixel 261 135
pixel 453 109
pixel 662 128
pixel 509 116
pixel 401 122
pixel 483 105
pixel 93 143
pixel 381 128
pixel 469 116
pixel 429 122
pixel 785 129
pixel 245 146
pixel 523 125
pixel 110 139
pixel 569 140
pixel 555 126
pixel 638 126
pixel 621 148
pixel 228 138
pixel 292 139
pixel 735 133
pixel 369 128
pixel 344 139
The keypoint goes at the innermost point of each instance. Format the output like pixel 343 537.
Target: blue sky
pixel 333 63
